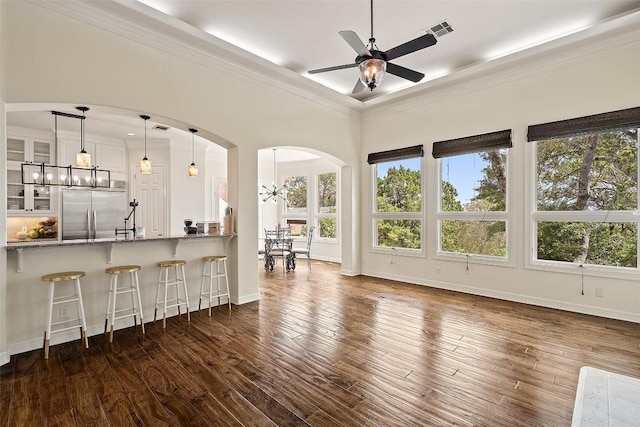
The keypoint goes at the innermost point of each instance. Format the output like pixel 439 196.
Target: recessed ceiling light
pixel 130 134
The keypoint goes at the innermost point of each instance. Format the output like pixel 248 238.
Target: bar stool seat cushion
pixel 65 275
pixel 122 269
pixel 214 258
pixel 171 263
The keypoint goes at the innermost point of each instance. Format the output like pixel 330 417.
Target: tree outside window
pixel 326 211
pixel 398 204
pixel 586 196
pixel 473 196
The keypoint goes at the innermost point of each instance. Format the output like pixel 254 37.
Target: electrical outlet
pixel 64 313
pixel 599 292
pixel 438 271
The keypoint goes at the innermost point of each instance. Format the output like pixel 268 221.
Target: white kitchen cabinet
pixel 27 199
pixel 107 156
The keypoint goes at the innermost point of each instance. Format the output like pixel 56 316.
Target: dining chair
pixel 278 245
pixel 305 251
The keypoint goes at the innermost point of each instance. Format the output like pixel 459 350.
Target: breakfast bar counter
pixel 28 261
pixel 19 245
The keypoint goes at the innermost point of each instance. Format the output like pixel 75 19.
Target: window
pixel 326 212
pixel 472 214
pixel 397 210
pixel 586 196
pixel 295 210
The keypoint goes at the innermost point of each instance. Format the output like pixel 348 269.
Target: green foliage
pixel 612 244
pixel 327 192
pixel 399 191
pixel 612 179
pixel 450 201
pixel 399 233
pixel 327 228
pixel 588 173
pixel 297 193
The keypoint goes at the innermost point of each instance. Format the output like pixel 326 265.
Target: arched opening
pixel 300 188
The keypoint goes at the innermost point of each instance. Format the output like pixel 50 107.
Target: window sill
pixel 588 270
pixel 474 259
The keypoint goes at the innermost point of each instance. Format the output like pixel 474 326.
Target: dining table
pixel 278 243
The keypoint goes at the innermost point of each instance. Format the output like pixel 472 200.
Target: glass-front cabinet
pixel 27 198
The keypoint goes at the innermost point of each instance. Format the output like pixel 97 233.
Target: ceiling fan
pixel 373 63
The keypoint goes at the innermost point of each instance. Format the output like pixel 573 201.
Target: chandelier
pixel 274 192
pixel 42 174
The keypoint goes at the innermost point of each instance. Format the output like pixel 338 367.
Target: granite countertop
pixel 50 243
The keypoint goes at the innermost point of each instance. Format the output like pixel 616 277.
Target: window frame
pixel 317 215
pixel 489 216
pixel 600 217
pixel 312 216
pixel 410 216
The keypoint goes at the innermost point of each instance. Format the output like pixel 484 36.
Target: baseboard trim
pixel 245 299
pixel 525 299
pixel 351 273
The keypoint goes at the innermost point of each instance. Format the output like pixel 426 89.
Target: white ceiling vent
pixel 441 29
pixel 161 127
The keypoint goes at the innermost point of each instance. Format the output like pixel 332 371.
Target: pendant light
pixel 83 159
pixel 274 192
pixel 145 164
pixel 193 168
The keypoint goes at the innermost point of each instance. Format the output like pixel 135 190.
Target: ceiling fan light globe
pixel 372 72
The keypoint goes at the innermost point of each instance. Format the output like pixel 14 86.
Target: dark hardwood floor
pixel 326 350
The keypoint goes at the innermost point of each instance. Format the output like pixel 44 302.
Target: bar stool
pixel 133 288
pixel 210 261
pixel 65 299
pixel 178 281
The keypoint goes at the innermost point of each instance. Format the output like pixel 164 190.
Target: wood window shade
pixel 472 144
pixel 397 154
pixel 597 123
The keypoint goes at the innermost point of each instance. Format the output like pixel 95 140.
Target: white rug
pixel 606 399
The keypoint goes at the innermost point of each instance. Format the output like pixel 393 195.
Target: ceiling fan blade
pixel 411 46
pixel 337 67
pixel 359 87
pixel 403 72
pixel 355 42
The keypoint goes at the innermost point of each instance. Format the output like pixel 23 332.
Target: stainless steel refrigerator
pixel 92 214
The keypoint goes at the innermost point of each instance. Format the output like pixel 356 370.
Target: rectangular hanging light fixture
pixel 42 174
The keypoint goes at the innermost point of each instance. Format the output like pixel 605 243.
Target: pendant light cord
pixel 145 138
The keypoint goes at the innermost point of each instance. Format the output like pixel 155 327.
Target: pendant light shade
pixel 193 168
pixel 83 159
pixel 145 163
pixel 372 72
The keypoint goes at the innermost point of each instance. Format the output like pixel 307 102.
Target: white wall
pixel 48 57
pixel 595 83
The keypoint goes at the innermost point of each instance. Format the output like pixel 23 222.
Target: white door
pixel 150 192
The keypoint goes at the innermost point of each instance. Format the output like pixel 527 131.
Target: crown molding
pixel 140 23
pixel 616 33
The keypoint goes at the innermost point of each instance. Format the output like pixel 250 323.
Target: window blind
pixel 585 125
pixel 472 144
pixel 397 154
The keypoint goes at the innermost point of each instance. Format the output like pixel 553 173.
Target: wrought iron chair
pixel 277 244
pixel 304 251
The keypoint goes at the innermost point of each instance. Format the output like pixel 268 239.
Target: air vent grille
pixel 441 29
pixel 161 127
